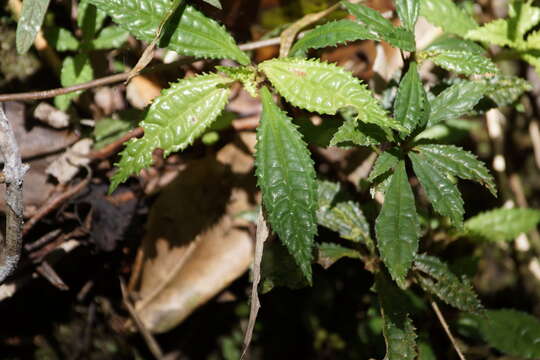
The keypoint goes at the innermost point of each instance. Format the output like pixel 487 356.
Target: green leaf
pixel 435 277
pixel 461 62
pixel 329 253
pixel 399 332
pixel 324 88
pixel 384 163
pixel 502 224
pixel 61 39
pixel 247 75
pixel 512 332
pixel 90 19
pixel 408 11
pixel 411 107
pixel 458 162
pixel 381 27
pixel 74 71
pixel 214 3
pixel 397 226
pixel 451 43
pixel 443 194
pixel 456 101
pixel 286 177
pixel 358 133
pixel 340 215
pixel 195 35
pixel 32 15
pixel 175 119
pixel 495 32
pixel 110 38
pixel 447 15
pixel 523 17
pixel 505 89
pixel 331 34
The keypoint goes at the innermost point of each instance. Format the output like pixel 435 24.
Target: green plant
pixel 294 200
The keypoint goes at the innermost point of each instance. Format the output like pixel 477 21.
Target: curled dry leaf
pixel 195 245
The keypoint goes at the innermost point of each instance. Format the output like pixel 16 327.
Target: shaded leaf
pixel 215 3
pixel 385 162
pixel 358 133
pixel 341 216
pixel 505 89
pixel 462 62
pixel 411 107
pixel 399 332
pixel 279 268
pixel 443 194
pixel 247 75
pixel 174 121
pixel 502 224
pixel 195 34
pixel 456 101
pixel 397 226
pixel 324 88
pixel 435 277
pixel 32 15
pixel 451 43
pixel 330 253
pixel 90 19
pixel 110 38
pixel 61 39
pixel 75 70
pixel 331 34
pixel 447 15
pixel 460 163
pixel 286 177
pixel 512 332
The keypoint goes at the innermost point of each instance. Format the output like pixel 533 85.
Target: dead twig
pixel 14 170
pixel 113 147
pixel 262 235
pixel 56 201
pixel 151 342
pixel 446 328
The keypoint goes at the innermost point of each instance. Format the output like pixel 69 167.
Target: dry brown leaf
pixel 195 246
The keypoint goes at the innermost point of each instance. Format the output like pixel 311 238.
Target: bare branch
pixel 14 170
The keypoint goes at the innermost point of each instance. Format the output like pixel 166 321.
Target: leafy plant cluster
pixel 295 201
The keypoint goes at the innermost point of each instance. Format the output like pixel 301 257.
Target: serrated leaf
pixel 110 38
pixel 460 163
pixel 456 101
pixel 443 194
pixel 340 215
pixel 214 3
pixel 324 88
pixel 175 119
pixel 32 15
pixel 461 62
pixel 397 226
pixel 61 39
pixel 435 277
pixel 398 330
pixel 358 133
pixel 523 17
pixel 505 89
pixel 194 35
pixel 331 34
pixel 247 75
pixel 381 27
pixel 451 43
pixel 329 253
pixel 286 177
pixel 385 162
pixel 502 224
pixel 494 32
pixel 447 15
pixel 75 70
pixel 411 107
pixel 511 332
pixel 408 11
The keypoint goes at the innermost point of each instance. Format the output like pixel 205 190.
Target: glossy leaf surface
pixel 195 34
pixel 286 177
pixel 462 62
pixel 460 163
pixel 324 88
pixel 435 277
pixel 408 11
pixel 174 121
pixel 397 226
pixel 411 107
pixel 385 162
pixel 443 194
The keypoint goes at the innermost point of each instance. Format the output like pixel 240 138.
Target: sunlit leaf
pixel 447 15
pixel 462 62
pixel 408 11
